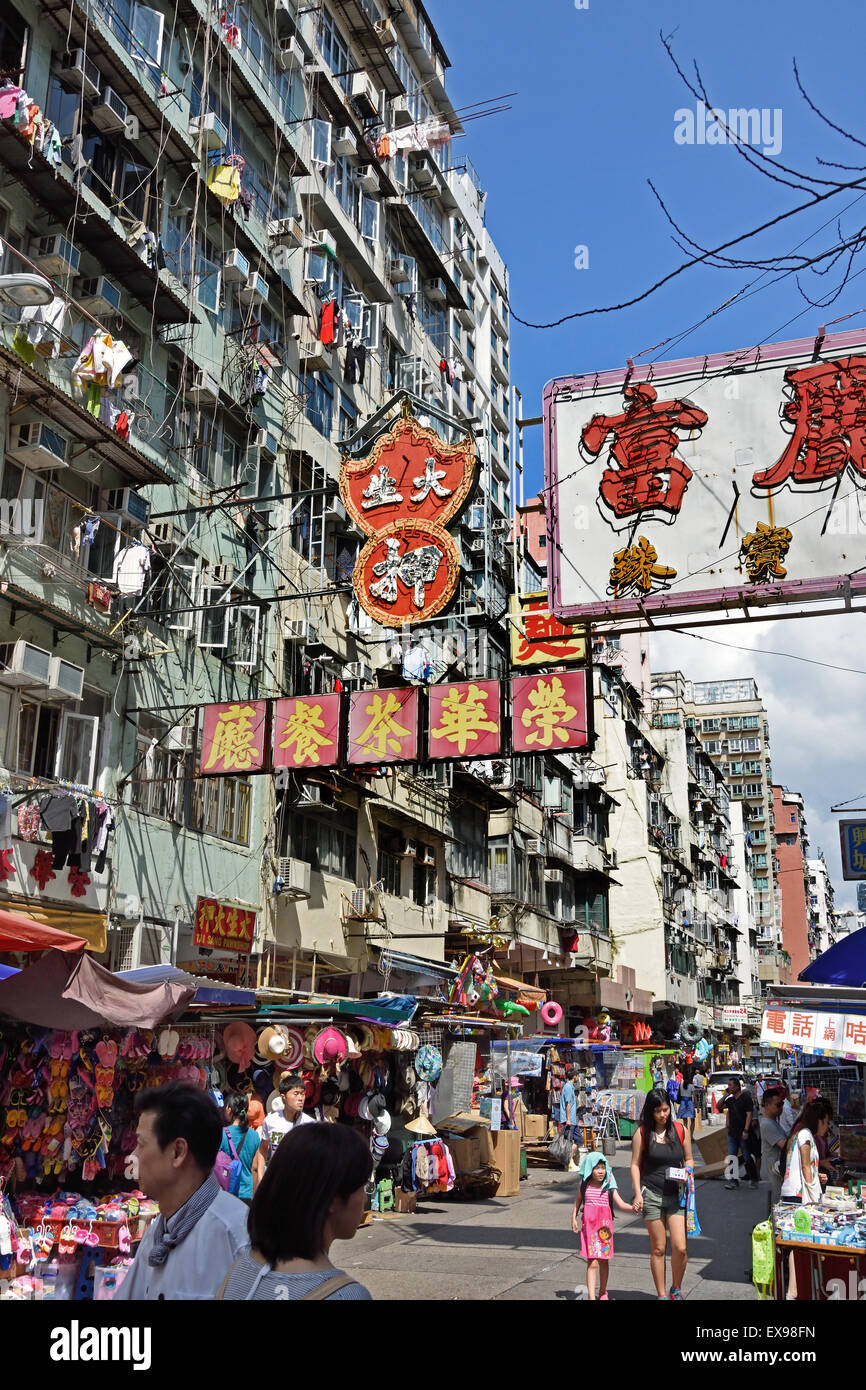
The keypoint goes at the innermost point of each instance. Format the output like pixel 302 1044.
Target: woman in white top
pixel 803 1181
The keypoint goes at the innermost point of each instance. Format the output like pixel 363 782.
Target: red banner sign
pixel 383 726
pixel 307 731
pixel 465 720
pixel 223 926
pixel 402 495
pixel 549 712
pixel 233 738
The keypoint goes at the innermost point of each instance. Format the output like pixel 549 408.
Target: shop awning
pixel 843 964
pixel 821 1022
pixel 207 991
pixel 416 965
pixel 521 987
pixel 31 931
pixel 70 992
pixel 379 1010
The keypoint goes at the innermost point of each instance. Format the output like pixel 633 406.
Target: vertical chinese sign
pixel 549 712
pixel 538 638
pixel 853 836
pixel 402 495
pixel 223 926
pixel 383 726
pixel 465 720
pixel 307 732
pixel 713 482
pixel 234 738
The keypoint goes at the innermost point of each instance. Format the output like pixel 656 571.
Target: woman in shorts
pixel 660 1144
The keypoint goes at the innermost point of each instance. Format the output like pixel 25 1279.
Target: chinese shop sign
pixel 465 720
pixel 233 738
pixel 711 482
pixel 853 837
pixel 383 726
pixel 549 712
pixel 223 926
pixel 402 495
pixel 817 1032
pixel 538 638
pixel 307 731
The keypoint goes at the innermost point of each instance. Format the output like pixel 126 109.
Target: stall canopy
pixel 843 964
pixel 821 1021
pixel 20 933
pixel 207 991
pixel 65 992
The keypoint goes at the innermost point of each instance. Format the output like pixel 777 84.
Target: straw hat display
pixel 421 1125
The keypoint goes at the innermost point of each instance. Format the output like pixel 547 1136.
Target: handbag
pixel 560 1148
pixel 229 1171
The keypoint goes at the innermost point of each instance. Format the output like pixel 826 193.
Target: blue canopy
pixel 843 964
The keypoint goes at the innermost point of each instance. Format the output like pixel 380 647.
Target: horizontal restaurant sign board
pixel 709 482
pixel 815 1031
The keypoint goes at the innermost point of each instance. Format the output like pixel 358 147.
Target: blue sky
pixel 593 119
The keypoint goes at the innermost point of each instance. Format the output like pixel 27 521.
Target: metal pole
pixel 174 935
pixel 294 971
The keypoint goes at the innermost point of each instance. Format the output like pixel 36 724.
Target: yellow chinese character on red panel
pixel 763 551
pixel 383 733
pixel 305 734
pixel 546 713
pixel 230 921
pixel 232 741
pixel 636 569
pixel 463 717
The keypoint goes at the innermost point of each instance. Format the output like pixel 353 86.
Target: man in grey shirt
pixel 772 1141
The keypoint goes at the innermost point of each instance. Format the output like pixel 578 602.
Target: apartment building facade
pixel 792 874
pixel 823 918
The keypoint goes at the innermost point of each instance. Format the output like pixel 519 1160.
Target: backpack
pixel 228 1171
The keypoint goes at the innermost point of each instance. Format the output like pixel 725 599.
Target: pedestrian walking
pixel 312 1194
pixel 773 1139
pixel 568 1115
pixel 592 1220
pixel 662 1147
pixel 740 1110
pixel 699 1081
pixel 803 1180
pixel 686 1111
pixel 241 1141
pixel 200 1228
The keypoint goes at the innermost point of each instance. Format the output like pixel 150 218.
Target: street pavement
pixel 522 1248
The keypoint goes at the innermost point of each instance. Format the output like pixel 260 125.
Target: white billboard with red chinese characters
pixel 817 1031
pixel 731 481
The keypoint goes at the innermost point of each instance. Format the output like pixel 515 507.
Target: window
pixel 760 861
pixel 51 742
pixel 733 723
pixel 334 50
pixel 712 745
pixel 735 745
pixel 329 844
pixel 750 721
pixel 789 840
pixel 424 876
pixel 158 786
pixel 220 806
pixel 709 726
pixel 390 860
pixel 369 221
pixel 147 29
pixel 213 633
pixel 761 884
pixel 364 318
pixel 591 908
pixel 753 789
pixel 736 789
pixel 793 817
pixel 208 264
pixel 321 142
pixel 319 405
pixel 13 42
pixel 466 852
pixel 751 745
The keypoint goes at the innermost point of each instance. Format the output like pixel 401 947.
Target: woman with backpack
pixel 241 1143
pixel 661 1147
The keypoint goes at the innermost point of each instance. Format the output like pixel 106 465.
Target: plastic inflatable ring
pixel 551 1013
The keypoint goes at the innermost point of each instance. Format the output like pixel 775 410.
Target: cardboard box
pixel 713 1146
pixel 465 1154
pixel 535 1128
pixel 406 1201
pixel 505 1144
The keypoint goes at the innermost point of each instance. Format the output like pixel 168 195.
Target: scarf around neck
pixel 183 1221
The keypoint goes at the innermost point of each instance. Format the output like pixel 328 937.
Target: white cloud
pixel 815 714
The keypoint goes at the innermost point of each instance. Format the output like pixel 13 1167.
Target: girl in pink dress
pixel 592 1219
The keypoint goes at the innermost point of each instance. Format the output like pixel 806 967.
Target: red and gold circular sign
pixel 407 572
pixel 409 473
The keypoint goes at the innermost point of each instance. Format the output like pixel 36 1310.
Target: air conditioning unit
pixel 286 231
pixel 236 267
pixel 128 503
pixel 358 671
pixel 400 113
pixel 23 664
pixel 223 574
pixel 79 72
pixel 535 849
pixel 553 875
pixel 476 545
pixel 365 94
pixel 56 255
pixel 335 510
pixel 429 855
pixel 38 446
pixel 110 114
pixel 290 56
pixel 326 240
pixel 99 296
pixel 367 177
pixel 165 535
pixel 266 443
pixel 385 31
pixel 314 794
pixel 295 874
pixel 343 141
pixel 420 171
pixel 315 356
pixel 65 681
pixel 203 388
pixel 436 290
pixel 295 629
pixel 399 272
pixel 363 902
pixel 212 130
pixel 255 291
pixel 410 848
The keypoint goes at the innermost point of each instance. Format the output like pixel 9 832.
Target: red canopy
pixel 23 934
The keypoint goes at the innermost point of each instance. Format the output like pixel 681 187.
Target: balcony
pixel 588 857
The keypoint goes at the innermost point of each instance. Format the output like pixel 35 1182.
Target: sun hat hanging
pixel 421 1125
pixel 428 1063
pixel 271 1043
pixel 239 1042
pixel 330 1046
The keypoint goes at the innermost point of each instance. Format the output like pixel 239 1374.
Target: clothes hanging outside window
pixel 102 362
pixel 330 325
pixel 44 324
pixel 417 665
pixel 130 568
pixel 447 371
pixel 356 362
pixel 224 181
pixel 62 816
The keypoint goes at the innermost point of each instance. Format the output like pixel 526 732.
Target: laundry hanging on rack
pixel 356 362
pixel 62 815
pixel 131 567
pixel 331 324
pixel 5 817
pixel 9 95
pixel 101 361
